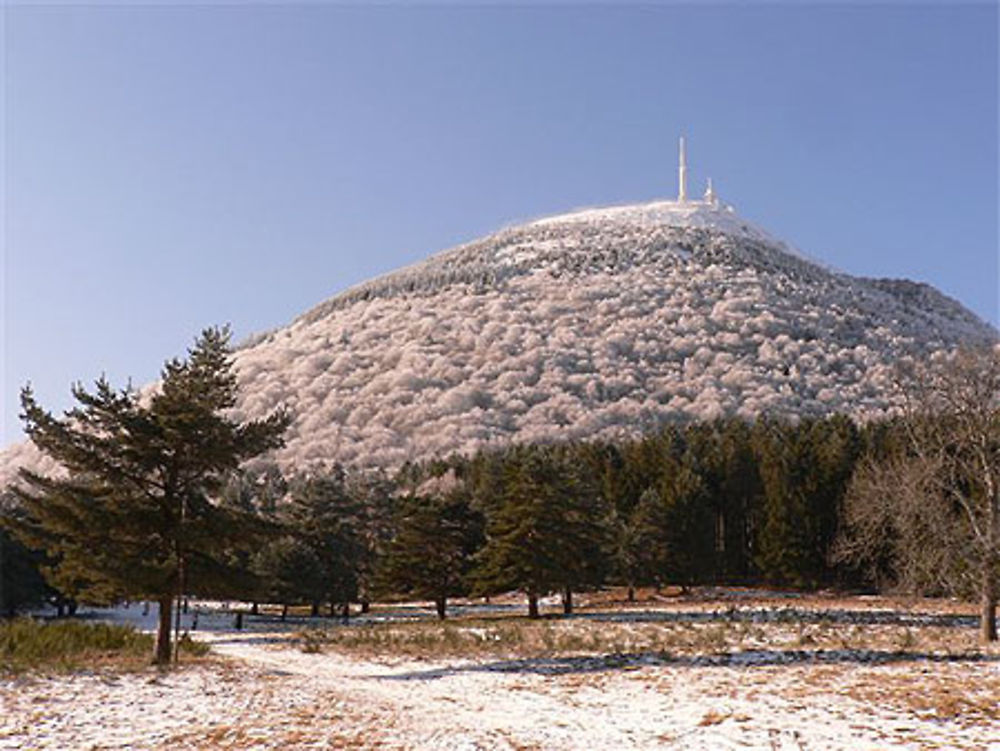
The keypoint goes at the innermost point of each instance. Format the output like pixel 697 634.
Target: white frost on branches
pixel 589 325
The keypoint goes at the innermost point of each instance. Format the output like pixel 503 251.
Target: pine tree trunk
pixel 161 656
pixel 345 612
pixel 439 603
pixel 365 605
pixel 567 601
pixel 177 629
pixel 314 611
pixel 254 610
pixel 988 612
pixel 284 611
pixel 532 605
pixel 631 593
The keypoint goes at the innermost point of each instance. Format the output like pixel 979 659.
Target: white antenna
pixel 682 192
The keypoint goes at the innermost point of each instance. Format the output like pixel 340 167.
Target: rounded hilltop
pixel 586 239
pixel 707 214
pixel 592 324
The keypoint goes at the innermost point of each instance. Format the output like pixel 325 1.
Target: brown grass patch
pixel 958 693
pixel 713 717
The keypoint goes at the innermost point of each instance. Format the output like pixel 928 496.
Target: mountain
pixel 593 324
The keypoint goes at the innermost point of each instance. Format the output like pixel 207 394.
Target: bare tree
pixel 926 513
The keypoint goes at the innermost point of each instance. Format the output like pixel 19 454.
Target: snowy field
pixel 717 672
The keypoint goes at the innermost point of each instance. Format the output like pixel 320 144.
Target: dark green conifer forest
pixel 156 502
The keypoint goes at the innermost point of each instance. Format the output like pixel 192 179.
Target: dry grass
pixel 944 695
pixel 28 644
pixel 804 656
pixel 238 738
pixel 501 637
pixel 728 633
pixel 332 722
pixel 69 645
pixel 712 717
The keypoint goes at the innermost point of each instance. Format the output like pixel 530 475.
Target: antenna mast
pixel 682 192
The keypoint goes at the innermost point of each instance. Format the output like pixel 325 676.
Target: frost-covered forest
pixel 600 324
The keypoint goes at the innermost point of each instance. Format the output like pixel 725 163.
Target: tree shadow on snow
pixel 785 615
pixel 633 660
pixel 237 637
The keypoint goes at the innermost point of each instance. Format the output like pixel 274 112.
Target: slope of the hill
pixel 592 324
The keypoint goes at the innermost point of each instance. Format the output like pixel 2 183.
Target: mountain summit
pixel 592 324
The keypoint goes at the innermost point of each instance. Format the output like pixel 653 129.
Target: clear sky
pixel 168 168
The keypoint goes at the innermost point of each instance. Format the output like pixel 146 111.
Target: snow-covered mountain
pixel 596 323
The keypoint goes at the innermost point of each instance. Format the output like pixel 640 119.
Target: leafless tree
pixel 928 512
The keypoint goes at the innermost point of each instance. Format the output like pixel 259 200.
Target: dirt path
pixel 265 693
pixel 594 704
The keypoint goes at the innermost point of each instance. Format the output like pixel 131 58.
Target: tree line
pixel 155 504
pixel 714 503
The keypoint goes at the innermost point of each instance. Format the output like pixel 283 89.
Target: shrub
pixel 311 640
pixel 26 643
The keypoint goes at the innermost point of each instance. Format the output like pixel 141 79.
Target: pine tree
pixel 583 545
pixel 626 548
pixel 135 513
pixel 290 572
pixel 651 521
pixel 688 523
pixel 373 495
pixel 805 470
pixel 321 556
pixel 547 534
pixel 22 584
pixel 430 555
pixel 784 529
pixel 721 455
pixel 254 495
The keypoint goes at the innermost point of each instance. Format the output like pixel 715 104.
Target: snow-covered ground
pixel 690 214
pixel 268 693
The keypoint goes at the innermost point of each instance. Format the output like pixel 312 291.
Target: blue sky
pixel 169 168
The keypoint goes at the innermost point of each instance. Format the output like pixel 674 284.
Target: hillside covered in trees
pixel 595 325
pixel 642 395
pixel 157 500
